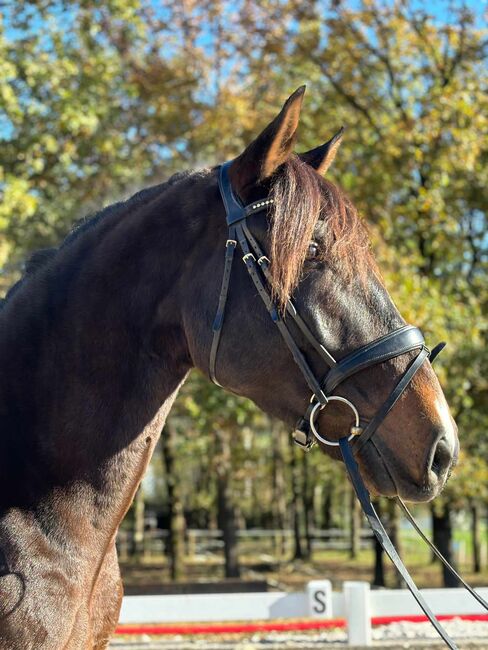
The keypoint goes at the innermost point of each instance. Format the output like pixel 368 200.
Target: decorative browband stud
pixel 258 206
pixel 262 204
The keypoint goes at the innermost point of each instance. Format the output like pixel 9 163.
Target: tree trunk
pixel 137 549
pixel 227 516
pixel 475 537
pixel 307 504
pixel 442 535
pixel 328 493
pixel 176 544
pixel 295 503
pixel 279 491
pixel 379 568
pixel 355 526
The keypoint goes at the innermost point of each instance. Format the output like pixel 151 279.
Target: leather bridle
pixel 401 341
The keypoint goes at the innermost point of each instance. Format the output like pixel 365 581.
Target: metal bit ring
pixel 355 430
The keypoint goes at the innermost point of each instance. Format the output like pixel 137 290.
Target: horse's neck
pixel 91 366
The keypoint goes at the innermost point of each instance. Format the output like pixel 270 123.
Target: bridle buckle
pixel 303 439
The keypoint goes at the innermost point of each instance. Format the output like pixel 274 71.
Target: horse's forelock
pixel 301 198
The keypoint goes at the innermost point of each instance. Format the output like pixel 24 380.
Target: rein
pixel 401 341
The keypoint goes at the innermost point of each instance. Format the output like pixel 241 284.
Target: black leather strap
pixel 390 402
pixel 234 210
pixel 263 262
pixel 382 537
pixel 437 350
pixel 254 272
pixel 230 249
pixel 235 213
pixel 258 206
pixel 391 345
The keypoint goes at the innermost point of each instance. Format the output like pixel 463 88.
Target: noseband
pixel 401 341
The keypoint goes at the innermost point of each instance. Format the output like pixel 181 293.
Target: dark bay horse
pixel 98 337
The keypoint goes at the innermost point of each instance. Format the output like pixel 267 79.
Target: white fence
pixel 357 604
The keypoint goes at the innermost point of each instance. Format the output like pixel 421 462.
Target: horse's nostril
pixel 442 458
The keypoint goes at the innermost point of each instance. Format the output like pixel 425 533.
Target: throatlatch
pixel 403 340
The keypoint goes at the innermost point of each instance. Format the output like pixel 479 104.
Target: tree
pixel 176 543
pixel 226 508
pixel 280 514
pixel 296 504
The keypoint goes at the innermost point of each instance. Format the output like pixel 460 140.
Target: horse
pixel 98 337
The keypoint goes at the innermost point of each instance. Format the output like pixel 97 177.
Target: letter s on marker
pixel 321 607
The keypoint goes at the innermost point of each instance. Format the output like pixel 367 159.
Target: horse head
pixel 317 253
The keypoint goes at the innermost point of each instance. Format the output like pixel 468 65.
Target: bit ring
pixel 355 430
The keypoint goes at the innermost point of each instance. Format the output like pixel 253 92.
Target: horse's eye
pixel 313 250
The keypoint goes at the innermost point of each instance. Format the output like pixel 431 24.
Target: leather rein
pixel 401 341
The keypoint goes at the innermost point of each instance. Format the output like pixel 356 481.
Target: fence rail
pixel 357 607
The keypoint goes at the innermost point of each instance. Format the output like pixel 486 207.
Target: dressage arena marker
pixel 357 608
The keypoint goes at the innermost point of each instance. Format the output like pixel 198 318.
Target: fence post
pixel 358 613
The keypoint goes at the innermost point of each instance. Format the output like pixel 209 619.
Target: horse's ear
pixel 271 148
pixel 321 158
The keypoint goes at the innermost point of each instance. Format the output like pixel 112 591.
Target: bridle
pixel 401 341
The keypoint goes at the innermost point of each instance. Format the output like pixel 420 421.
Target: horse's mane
pixel 40 258
pixel 301 199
